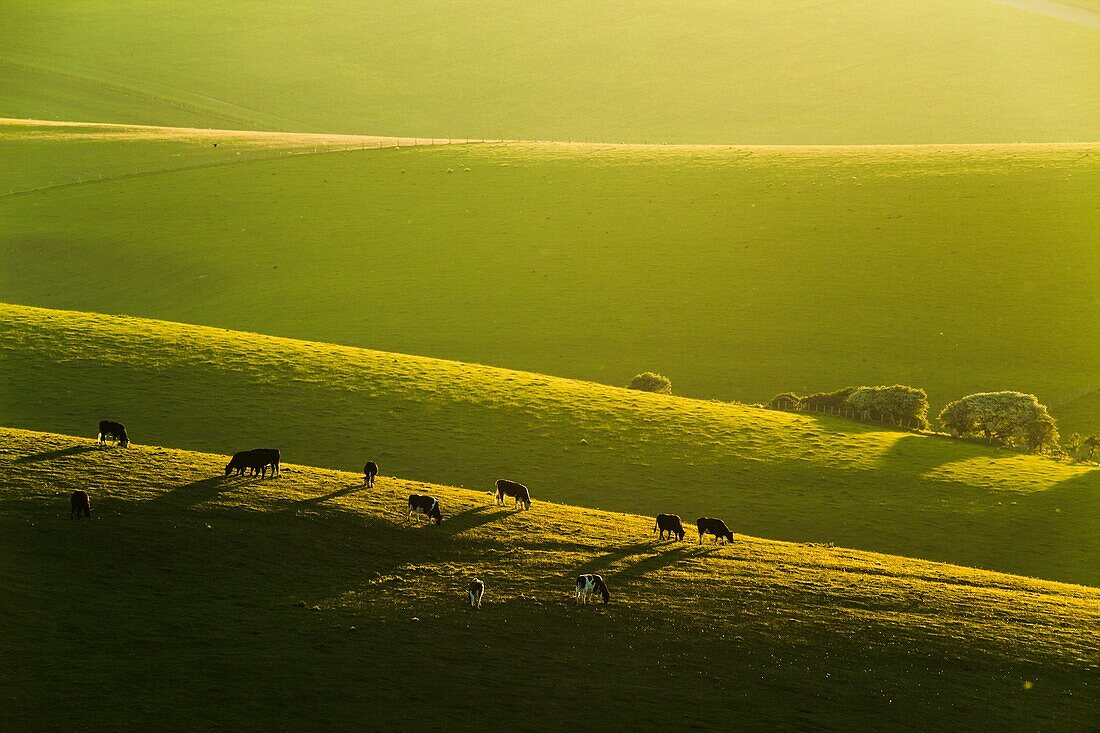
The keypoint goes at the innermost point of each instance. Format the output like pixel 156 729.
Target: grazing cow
pixel 475 592
pixel 590 583
pixel 80 504
pixel 112 429
pixel 423 504
pixel 238 463
pixel 370 470
pixel 518 492
pixel 256 460
pixel 716 527
pixel 671 524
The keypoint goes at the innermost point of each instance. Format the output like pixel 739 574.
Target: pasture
pixel 305 602
pixel 721 71
pixel 739 272
pixel 773 474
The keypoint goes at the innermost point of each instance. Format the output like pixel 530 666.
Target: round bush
pixel 651 382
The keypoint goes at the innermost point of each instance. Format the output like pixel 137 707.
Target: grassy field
pixel 785 71
pixel 305 601
pixel 738 272
pixel 768 473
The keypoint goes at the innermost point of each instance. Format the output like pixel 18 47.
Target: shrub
pixel 651 382
pixel 896 403
pixel 785 401
pixel 832 400
pixel 1081 447
pixel 1011 418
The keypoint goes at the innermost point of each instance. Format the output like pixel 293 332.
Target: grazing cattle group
pixel 258 460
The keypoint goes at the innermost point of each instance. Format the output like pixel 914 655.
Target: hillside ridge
pixel 788 476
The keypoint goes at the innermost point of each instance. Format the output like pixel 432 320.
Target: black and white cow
pixel 112 429
pixel 590 583
pixel 80 505
pixel 518 492
pixel 671 524
pixel 475 592
pixel 427 505
pixel 716 527
pixel 370 470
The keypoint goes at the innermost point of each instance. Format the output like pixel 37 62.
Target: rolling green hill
pixel 305 602
pixel 738 272
pixel 785 71
pixel 772 474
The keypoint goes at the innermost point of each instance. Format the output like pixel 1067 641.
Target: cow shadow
pixel 60 453
pixel 343 491
pixel 601 563
pixel 473 518
pixel 197 492
pixel 658 561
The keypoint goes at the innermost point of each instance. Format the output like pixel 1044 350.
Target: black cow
pixel 518 492
pixel 423 504
pixel 112 429
pixel 80 504
pixel 716 527
pixel 256 460
pixel 590 583
pixel 671 524
pixel 475 592
pixel 238 463
pixel 370 470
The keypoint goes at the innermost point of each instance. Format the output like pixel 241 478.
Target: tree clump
pixel 1011 418
pixel 896 404
pixel 651 382
pixel 1082 447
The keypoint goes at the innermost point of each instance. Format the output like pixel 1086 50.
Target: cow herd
pixel 259 460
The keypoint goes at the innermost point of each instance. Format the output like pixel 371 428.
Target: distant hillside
pixel 768 473
pixel 305 602
pixel 738 272
pixel 717 71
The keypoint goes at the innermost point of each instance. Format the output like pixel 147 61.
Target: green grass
pixel 768 473
pixel 738 272
pixel 785 71
pixel 177 607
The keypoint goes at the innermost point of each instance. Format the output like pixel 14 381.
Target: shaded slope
pixel 182 595
pixel 786 71
pixel 769 473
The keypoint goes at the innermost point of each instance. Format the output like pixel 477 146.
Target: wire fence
pixel 868 416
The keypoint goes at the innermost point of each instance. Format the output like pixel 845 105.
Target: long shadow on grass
pixel 659 560
pixel 314 500
pixel 197 492
pixel 472 518
pixel 601 563
pixel 60 453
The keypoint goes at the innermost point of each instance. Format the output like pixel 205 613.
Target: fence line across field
pixel 859 415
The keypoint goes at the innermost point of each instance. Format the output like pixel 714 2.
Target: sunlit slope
pixel 40 155
pixel 785 71
pixel 183 594
pixel 767 473
pixel 738 272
